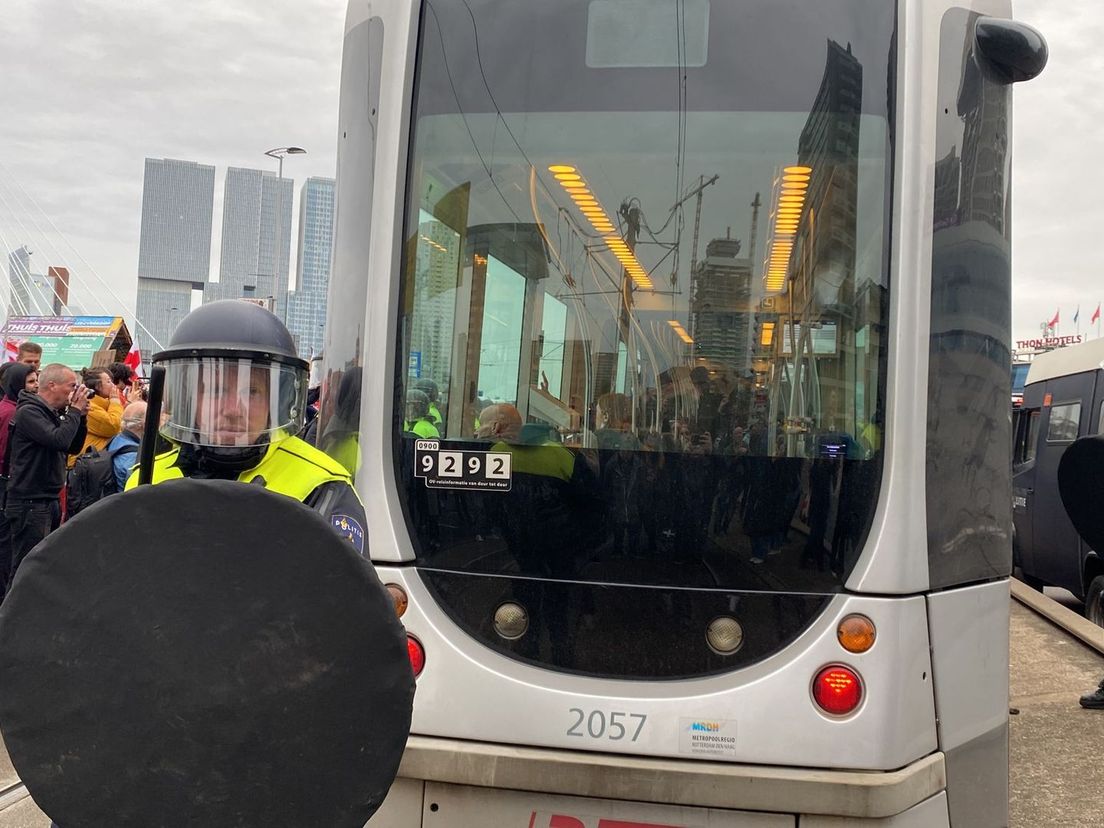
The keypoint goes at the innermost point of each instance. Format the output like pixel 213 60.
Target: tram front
pixel 629 333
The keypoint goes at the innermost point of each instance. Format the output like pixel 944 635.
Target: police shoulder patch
pixel 350 529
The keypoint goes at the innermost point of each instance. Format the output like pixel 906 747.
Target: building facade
pixel 721 310
pixel 256 239
pixel 35 294
pixel 174 254
pixel 307 306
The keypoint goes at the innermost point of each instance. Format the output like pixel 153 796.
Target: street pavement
pixel 1057 777
pixel 1056 774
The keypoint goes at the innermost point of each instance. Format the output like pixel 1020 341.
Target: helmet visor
pixel 212 401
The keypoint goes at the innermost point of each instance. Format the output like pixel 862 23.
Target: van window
pixel 1026 430
pixel 1032 435
pixel 1064 422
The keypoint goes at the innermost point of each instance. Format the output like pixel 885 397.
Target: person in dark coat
pixel 15 377
pixel 48 426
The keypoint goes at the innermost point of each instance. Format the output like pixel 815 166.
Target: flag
pixel 133 360
pixel 1054 321
pixel 1096 314
pixel 11 350
pixel 1076 314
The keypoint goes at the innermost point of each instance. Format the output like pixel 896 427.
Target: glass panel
pixel 1064 421
pixel 670 299
pixel 553 344
pixel 500 346
pixel 1019 377
pixel 338 423
pixel 969 383
pixel 432 317
pixel 1032 435
pixel 1025 427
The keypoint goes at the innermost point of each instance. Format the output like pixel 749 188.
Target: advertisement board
pixel 76 341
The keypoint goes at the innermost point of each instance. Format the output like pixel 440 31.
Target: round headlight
pixel 724 635
pixel 511 621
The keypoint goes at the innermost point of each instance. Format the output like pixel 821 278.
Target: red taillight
pixel 416 653
pixel 838 690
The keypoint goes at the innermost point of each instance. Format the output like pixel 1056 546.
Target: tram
pixel 668 343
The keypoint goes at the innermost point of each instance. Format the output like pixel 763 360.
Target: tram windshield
pixel 645 268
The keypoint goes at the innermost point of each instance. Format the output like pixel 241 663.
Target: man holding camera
pixel 46 428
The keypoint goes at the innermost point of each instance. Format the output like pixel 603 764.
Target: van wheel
pixel 1094 601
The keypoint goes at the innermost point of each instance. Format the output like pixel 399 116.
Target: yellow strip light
pixel 681 331
pixel 767 334
pixel 588 205
pixel 789 206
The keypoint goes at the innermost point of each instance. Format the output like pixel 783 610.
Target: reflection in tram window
pixel 681 296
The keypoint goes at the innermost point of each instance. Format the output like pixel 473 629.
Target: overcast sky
pixel 92 88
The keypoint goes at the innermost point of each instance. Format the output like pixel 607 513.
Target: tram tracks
pixel 1062 617
pixel 12 794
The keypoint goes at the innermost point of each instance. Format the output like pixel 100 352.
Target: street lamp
pixel 279 153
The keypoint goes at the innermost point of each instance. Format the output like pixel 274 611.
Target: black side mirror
pixel 1013 51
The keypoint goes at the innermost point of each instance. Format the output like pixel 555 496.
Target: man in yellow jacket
pixel 235 396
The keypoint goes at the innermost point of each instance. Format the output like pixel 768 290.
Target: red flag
pixel 1054 321
pixel 1096 314
pixel 133 359
pixel 11 350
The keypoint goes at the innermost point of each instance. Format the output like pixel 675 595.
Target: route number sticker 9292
pixel 598 724
pixel 487 471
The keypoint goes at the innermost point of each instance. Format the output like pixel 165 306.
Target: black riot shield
pixel 1081 485
pixel 202 653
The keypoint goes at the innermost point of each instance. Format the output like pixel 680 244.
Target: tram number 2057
pixel 598 724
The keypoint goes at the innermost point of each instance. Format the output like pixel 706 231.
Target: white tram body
pixel 750 407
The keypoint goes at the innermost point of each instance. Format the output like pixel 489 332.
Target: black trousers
pixel 30 521
pixel 5 555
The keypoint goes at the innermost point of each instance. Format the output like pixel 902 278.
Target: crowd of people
pixel 51 416
pixel 663 476
pixel 235 403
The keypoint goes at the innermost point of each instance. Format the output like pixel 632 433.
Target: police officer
pixel 235 397
pixel 418 419
pixel 429 388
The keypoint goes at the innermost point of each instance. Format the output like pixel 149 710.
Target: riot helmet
pixel 234 385
pixel 427 387
pixel 417 405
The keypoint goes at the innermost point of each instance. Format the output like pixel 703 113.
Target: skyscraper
pixel 175 249
pixel 254 262
pixel 307 307
pixel 829 144
pixel 721 307
pixel 35 294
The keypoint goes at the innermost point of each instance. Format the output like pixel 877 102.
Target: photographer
pixel 47 426
pixel 105 412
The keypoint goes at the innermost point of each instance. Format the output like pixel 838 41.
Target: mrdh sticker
pixel 487 471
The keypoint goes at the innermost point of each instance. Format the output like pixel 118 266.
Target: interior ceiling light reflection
pixel 789 206
pixel 680 331
pixel 573 183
